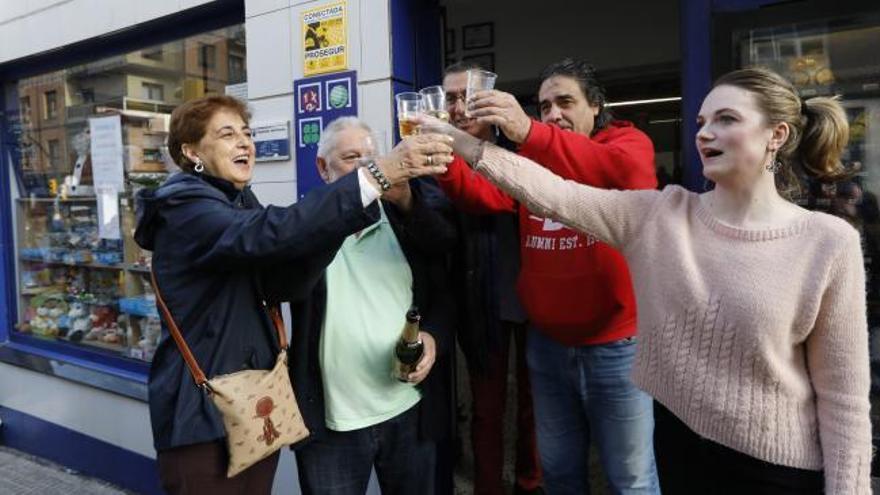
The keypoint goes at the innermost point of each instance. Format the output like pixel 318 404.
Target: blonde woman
pixel 752 325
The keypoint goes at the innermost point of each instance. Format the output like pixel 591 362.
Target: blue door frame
pixel 696 72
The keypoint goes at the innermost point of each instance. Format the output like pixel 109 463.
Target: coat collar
pixel 226 187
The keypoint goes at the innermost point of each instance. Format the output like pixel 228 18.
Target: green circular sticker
pixel 338 96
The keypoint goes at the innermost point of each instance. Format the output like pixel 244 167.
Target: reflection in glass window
pixel 153 91
pixel 236 69
pixel 51 104
pixel 154 53
pixel 24 106
pixel 54 153
pixel 207 56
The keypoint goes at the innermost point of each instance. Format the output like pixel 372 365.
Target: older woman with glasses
pixel 218 254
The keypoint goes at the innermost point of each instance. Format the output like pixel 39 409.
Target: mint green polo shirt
pixel 369 290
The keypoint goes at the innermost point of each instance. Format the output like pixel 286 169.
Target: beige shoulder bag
pixel 259 408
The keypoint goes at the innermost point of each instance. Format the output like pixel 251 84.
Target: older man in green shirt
pixel 370 419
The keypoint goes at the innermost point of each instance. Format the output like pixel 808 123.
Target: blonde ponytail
pixel 818 129
pixel 825 136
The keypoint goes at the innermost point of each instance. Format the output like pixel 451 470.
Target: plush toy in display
pixel 80 323
pixel 43 324
pixel 103 320
pixel 151 330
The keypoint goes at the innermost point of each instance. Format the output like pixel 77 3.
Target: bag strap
pixel 194 369
pixel 278 321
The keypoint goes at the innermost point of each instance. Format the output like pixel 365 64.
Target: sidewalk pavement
pixel 23 474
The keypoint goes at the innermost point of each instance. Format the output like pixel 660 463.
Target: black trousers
pixel 201 469
pixel 688 463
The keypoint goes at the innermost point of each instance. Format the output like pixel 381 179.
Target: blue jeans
pixel 339 462
pixel 584 392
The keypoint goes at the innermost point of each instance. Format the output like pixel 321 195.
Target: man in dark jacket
pixel 491 317
pixel 345 332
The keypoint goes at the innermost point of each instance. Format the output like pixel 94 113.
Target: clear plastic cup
pixel 477 80
pixel 434 102
pixel 409 105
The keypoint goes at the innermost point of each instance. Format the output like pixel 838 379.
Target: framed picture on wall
pixel 480 35
pixel 450 41
pixel 485 60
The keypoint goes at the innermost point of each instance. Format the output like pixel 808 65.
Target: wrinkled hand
pixel 415 156
pixel 427 362
pixel 501 109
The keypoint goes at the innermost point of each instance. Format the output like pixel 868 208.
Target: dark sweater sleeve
pixel 441 319
pixel 429 232
pixel 430 225
pixel 219 236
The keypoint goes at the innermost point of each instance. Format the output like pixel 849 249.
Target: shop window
pixel 51 104
pixel 152 91
pixel 83 285
pixel 207 56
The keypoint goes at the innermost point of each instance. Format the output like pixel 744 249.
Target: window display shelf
pixel 73 282
pixel 121 348
pixel 136 268
pixel 68 199
pixel 99 266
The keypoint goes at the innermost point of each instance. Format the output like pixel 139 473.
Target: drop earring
pixel 774 164
pixel 199 166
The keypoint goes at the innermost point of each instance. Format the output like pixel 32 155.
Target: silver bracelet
pixel 377 174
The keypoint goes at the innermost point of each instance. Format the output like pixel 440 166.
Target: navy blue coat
pixel 216 251
pixel 427 234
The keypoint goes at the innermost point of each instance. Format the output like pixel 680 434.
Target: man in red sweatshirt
pixel 576 291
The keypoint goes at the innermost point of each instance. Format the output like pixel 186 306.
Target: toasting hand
pixel 415 156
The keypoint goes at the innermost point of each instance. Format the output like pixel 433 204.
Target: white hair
pixel 328 135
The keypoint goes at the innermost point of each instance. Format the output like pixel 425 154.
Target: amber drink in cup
pixel 409 105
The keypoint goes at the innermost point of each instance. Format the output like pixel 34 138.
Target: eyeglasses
pixel 452 98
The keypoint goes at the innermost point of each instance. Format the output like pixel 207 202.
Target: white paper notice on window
pixel 108 211
pixel 239 91
pixel 106 148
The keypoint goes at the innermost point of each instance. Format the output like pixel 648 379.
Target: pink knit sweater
pixel 756 339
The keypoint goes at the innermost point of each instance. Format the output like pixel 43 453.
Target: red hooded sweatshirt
pixel 574 289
